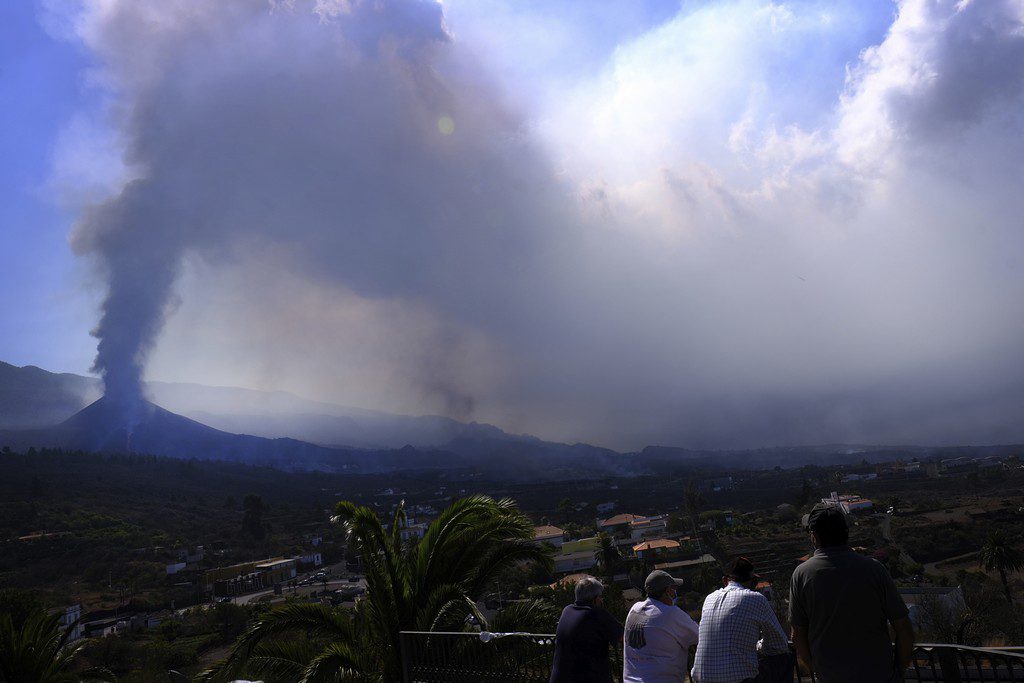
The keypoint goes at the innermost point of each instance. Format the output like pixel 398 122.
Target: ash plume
pixel 743 224
pixel 324 132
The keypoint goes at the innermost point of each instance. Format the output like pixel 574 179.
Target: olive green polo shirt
pixel 845 602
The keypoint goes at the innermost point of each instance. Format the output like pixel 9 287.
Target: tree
pixel 805 495
pixel 608 555
pixel 566 507
pixel 998 554
pixel 39 651
pixel 693 501
pixel 532 616
pixel 429 585
pixel 19 606
pixel 706 579
pixel 252 520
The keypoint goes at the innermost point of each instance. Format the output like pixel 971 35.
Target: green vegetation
pixel 34 648
pixel 101 529
pixel 998 554
pixel 428 585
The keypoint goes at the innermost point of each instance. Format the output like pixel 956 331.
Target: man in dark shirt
pixel 585 632
pixel 841 604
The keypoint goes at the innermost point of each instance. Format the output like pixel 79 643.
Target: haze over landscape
pixel 511 340
pixel 703 224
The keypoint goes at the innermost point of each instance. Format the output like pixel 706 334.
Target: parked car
pixel 349 592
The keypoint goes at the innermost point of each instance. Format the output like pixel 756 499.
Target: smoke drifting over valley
pixel 736 224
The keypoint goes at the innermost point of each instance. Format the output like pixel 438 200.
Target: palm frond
pixel 535 616
pixel 313 619
pixel 284 660
pixel 336 662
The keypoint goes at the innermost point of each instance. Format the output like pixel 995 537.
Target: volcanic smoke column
pixel 345 139
pixel 140 261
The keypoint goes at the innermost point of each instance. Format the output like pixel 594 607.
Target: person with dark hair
pixel 584 634
pixel 734 618
pixel 659 634
pixel 841 605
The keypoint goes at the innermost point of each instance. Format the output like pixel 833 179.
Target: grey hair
pixel 588 588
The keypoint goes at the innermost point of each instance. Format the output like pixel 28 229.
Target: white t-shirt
pixel 657 642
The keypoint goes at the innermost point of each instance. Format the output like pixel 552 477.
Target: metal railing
pixel 459 657
pixel 961 664
pixel 441 657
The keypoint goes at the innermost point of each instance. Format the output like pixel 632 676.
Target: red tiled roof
pixel 655 544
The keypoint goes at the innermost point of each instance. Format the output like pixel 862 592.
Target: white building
pixel 932 603
pixel 644 527
pixel 574 562
pixel 848 503
pixel 413 531
pixel 69 616
pixel 311 559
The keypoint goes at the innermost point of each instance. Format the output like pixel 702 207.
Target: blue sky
pixel 44 311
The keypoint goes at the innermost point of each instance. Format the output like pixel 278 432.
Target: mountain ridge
pixel 32 397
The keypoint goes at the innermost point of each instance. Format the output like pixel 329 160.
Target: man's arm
pixel 803 647
pixel 904 642
pixel 775 641
pixel 799 620
pixel 687 630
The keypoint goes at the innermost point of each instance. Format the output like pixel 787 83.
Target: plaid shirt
pixel 732 621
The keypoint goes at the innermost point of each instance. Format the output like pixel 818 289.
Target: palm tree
pixel 998 554
pixel 706 579
pixel 532 616
pixel 609 556
pixel 428 585
pixel 38 651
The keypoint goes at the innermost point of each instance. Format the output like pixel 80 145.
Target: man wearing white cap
pixel 659 635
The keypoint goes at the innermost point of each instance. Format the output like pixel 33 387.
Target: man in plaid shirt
pixel 733 620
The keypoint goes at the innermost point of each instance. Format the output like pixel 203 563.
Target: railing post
pixel 403 650
pixel 949 665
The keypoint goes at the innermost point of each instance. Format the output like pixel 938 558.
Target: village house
pixel 548 534
pixel 648 550
pixel 646 527
pixel 575 562
pixel 617 525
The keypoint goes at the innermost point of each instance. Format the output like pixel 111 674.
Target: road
pixel 333 584
pixel 886 527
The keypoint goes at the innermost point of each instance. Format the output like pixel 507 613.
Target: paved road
pixel 886 527
pixel 333 584
pixel 933 567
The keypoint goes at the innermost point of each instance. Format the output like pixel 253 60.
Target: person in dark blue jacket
pixel 585 633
